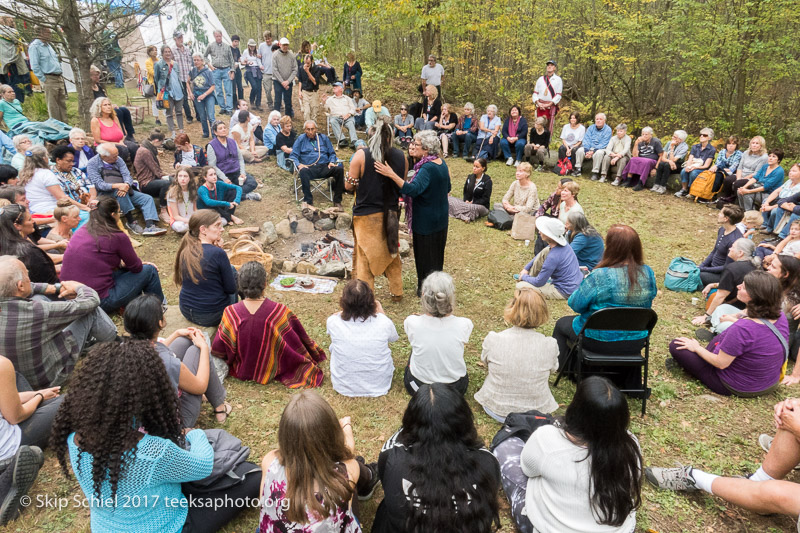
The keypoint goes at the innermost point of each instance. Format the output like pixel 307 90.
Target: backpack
pixel 683 275
pixel 501 219
pixel 703 186
pixel 563 167
pixel 522 425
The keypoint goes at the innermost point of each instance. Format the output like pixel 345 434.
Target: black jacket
pixel 480 195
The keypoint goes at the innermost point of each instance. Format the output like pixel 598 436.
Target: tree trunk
pixel 741 97
pixel 80 59
pixel 427 41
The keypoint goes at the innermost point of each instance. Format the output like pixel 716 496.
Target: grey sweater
pixel 284 66
pixel 751 163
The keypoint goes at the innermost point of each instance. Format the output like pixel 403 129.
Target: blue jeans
pixel 468 139
pixel 689 177
pixel 519 149
pixel 139 199
pixel 205 318
pixel 785 231
pixel 285 95
pixel 485 150
pixel 116 69
pixel 223 81
pixel 284 162
pixel 250 184
pixel 361 120
pixel 205 112
pixel 129 285
pixel 255 89
pixel 771 218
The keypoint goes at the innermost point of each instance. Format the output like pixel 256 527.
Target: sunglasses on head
pixel 10 208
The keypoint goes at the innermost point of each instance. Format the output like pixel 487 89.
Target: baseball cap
pixel 551 61
pixel 338 84
pixel 284 40
pixel 376 106
pixel 177 33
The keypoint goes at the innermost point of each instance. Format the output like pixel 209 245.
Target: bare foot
pixel 236 220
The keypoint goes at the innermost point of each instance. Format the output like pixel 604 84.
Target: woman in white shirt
pixel 361 360
pixel 582 477
pixel 520 360
pixel 437 338
pixel 181 201
pixel 242 133
pixel 42 187
pixel 571 138
pixel 569 200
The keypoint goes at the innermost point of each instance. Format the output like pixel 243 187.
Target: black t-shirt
pixel 369 196
pixel 432 110
pixel 282 140
pixel 39 264
pixel 452 119
pixel 394 465
pixel 305 82
pixel 732 275
pixel 542 139
pixel 100 92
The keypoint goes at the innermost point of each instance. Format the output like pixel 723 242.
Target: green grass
pixel 684 421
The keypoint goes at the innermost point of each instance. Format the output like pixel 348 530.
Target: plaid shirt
pixel 183 59
pixel 32 334
pixel 74 183
pixel 553 204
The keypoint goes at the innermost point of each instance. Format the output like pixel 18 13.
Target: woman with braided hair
pixel 120 427
pixel 376 211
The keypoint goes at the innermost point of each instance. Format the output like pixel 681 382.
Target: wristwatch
pixel 58 288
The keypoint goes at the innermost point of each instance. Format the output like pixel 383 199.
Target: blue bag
pixel 683 275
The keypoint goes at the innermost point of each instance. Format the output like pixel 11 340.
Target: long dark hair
pixel 142 318
pixel 101 218
pixel 790 278
pixel 11 241
pixel 118 389
pixel 455 494
pixel 598 418
pixel 623 249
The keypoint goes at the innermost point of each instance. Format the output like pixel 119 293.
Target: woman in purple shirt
pixel 747 359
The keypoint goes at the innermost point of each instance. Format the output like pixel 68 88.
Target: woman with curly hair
pixel 120 428
pixel 309 481
pixel 186 357
pixel 106 128
pixel 203 271
pixel 436 473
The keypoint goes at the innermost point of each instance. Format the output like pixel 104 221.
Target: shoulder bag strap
pixel 780 336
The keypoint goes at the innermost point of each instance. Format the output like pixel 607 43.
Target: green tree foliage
pixel 192 20
pixel 730 64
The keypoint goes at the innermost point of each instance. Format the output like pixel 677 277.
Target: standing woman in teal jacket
pixel 222 197
pixel 120 429
pixel 426 198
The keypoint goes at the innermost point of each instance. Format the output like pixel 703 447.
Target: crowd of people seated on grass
pixel 129 423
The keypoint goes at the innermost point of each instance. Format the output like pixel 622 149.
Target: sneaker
pixel 509 161
pixel 576 173
pixel 615 183
pixel 517 162
pixel 681 193
pixel 366 492
pixel 254 196
pixel 134 227
pixel 602 179
pixel 595 176
pixel 638 186
pixel 152 230
pixel 27 462
pixel 540 168
pixel 671 478
pixel 189 120
pixel 765 441
pixel 342 143
pixel 704 335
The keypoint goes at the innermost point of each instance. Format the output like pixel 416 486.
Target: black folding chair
pixel 613 319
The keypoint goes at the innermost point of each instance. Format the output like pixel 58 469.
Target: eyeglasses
pixel 8 208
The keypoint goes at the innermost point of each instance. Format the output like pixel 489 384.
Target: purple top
pixel 758 352
pixel 227 156
pixel 104 256
pixel 561 268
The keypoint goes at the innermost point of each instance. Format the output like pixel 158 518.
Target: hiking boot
pixel 134 227
pixel 595 176
pixel 638 186
pixel 27 462
pixel 366 492
pixel 671 478
pixel 152 230
pixel 254 196
pixel 628 183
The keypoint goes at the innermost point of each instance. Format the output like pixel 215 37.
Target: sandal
pixel 224 409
